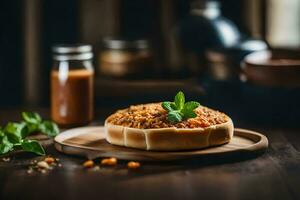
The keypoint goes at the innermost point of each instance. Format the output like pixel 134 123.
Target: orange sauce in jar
pixel 72 97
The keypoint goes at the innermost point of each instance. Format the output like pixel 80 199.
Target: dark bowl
pixel 276 69
pixel 271 91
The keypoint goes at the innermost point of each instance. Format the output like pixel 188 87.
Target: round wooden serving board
pixel 90 142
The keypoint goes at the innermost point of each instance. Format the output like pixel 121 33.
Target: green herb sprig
pixel 179 110
pixel 14 135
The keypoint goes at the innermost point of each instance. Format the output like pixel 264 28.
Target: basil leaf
pixel 167 106
pixel 5 145
pixel 32 146
pixel 14 132
pixel 12 127
pixel 174 116
pixel 13 135
pixel 24 129
pixel 31 117
pixel 31 128
pixel 179 100
pixel 49 128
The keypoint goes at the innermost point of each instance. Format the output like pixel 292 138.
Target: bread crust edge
pixel 169 139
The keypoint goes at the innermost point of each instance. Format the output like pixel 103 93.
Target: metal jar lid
pixel 71 48
pixel 72 52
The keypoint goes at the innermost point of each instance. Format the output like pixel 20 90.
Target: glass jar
pixel 72 79
pixel 121 58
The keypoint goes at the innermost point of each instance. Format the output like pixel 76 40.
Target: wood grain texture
pixel 91 143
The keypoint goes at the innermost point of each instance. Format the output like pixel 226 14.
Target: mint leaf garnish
pixel 179 110
pixel 174 116
pixel 167 106
pixel 179 100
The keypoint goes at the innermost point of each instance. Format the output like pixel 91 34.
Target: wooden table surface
pixel 273 175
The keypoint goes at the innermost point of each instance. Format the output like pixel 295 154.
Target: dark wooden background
pixel 73 21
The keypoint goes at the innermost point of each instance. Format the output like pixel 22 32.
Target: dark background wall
pixel 11 51
pixel 65 21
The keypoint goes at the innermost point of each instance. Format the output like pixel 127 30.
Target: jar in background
pixel 205 28
pixel 122 58
pixel 223 75
pixel 72 78
pixel 224 63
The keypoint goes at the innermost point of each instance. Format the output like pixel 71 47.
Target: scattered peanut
pixel 43 164
pixel 109 161
pixel 30 170
pixel 96 168
pixel 133 165
pixel 88 164
pixel 33 162
pixel 6 159
pixel 49 160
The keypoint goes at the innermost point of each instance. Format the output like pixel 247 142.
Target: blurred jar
pixel 205 28
pixel 223 74
pixel 72 78
pixel 224 64
pixel 122 58
pixel 271 88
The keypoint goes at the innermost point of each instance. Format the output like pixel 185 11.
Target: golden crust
pixel 169 139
